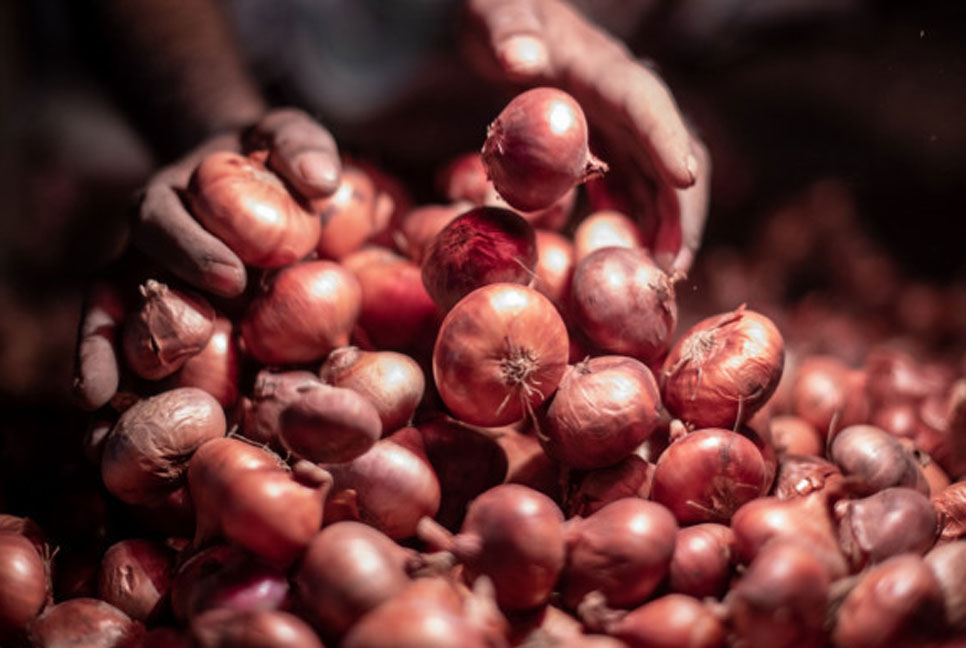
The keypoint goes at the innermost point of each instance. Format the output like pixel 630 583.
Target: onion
pixel 421 226
pixel 84 622
pixel 828 394
pixel 780 601
pixel 604 408
pixel 227 577
pixel 272 393
pixel 536 149
pixel 261 629
pixel 308 310
pixel 872 460
pixel 605 229
pixel 948 564
pixel 485 245
pixel 512 534
pixel 238 200
pixel 591 491
pixel 794 435
pixel 392 382
pixel 887 523
pixel 555 267
pixel 799 475
pixel 215 368
pixel 464 178
pixel 950 505
pixel 896 603
pixel 348 569
pixel 671 621
pixel 527 463
pixel 350 215
pixel 624 303
pixel 708 474
pixel 329 424
pixel 500 352
pixel 135 576
pixel 169 327
pixel 24 588
pixel 147 452
pixel 622 551
pixel 554 217
pixel 895 376
pixel 367 255
pixel 396 311
pixel 701 562
pixel 389 487
pixel 724 369
pixel 27 528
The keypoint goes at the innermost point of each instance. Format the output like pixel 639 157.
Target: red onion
pixel 671 621
pixel 591 491
pixel 828 394
pixel 26 527
pixel 799 475
pixel 887 523
pixel 536 149
pixel 553 217
pixel 215 368
pixel 483 246
pixel 555 267
pixel 367 255
pixel 724 369
pixel 84 622
pixel 872 460
pixel 329 424
pixel 605 229
pixel 392 382
pixel 950 505
pixel 624 303
pixel 527 463
pixel 948 564
pixel 169 327
pixel 512 534
pixel 396 311
pixel 622 551
pixel 273 392
pixel 308 310
pixel 895 376
pixel 604 408
pixel 500 352
pixel 261 629
pixel 24 588
pixel 701 562
pixel 464 178
pixel 794 435
pixel 348 569
pixel 708 474
pixel 421 226
pixel 135 576
pixel 350 215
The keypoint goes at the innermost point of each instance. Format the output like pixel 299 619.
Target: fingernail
pixel 524 55
pixel 320 171
pixel 691 164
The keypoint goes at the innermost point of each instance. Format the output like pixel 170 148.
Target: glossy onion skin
pixel 874 460
pixel 329 424
pixel 724 367
pixel 135 576
pixel 605 228
pixel 215 368
pixel 948 563
pixel 349 216
pixel 555 267
pixel 249 208
pixel 671 621
pixel 950 504
pixel 500 351
pixel 826 392
pixel 396 310
pixel 84 622
pixel 257 629
pixel 624 303
pixel 884 524
pixel 23 586
pixel 702 560
pixel 603 409
pixel 308 310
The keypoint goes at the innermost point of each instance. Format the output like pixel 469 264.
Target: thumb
pixel 514 29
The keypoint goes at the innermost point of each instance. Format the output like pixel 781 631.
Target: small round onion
pixel 135 576
pixel 799 475
pixel 260 629
pixel 329 424
pixel 23 584
pixel 603 409
pixel 308 310
pixel 555 267
pixel 872 460
pixel 605 229
pixel 396 310
pixel 671 621
pixel 948 564
pixel 828 394
pixel 421 226
pixel 84 622
pixel 26 527
pixel 887 523
pixel 591 491
pixel 794 435
pixel 464 178
pixel 724 369
pixel 536 149
pixel 215 368
pixel 950 505
pixel 624 303
pixel 349 216
pixel 272 393
pixel 701 563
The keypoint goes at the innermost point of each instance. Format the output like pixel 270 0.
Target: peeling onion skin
pixel 872 460
pixel 23 588
pixel 135 576
pixel 147 451
pixel 624 303
pixel 169 327
pixel 622 551
pixel 950 505
pixel 724 369
pixel 948 563
pixel 702 560
pixel 84 622
pixel 602 410
pixel 671 621
pixel 263 629
pixel 896 603
pixel 329 425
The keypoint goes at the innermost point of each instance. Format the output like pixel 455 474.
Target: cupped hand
pixel 663 166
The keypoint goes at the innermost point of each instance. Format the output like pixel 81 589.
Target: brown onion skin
pixel 828 394
pixel 238 200
pixel 671 621
pixel 215 368
pixel 950 505
pixel 330 424
pixel 261 629
pixel 169 327
pixel 396 310
pixel 799 475
pixel 624 303
pixel 147 451
pixel 948 564
pixel 536 149
pixel 272 393
pixel 485 245
pixel 872 460
pixel 707 475
pixel 84 622
pixel 348 569
pixel 421 226
pixel 392 382
pixel 23 586
pixel 702 560
pixel 606 228
pixel 603 409
pixel 307 310
pixel 589 492
pixel 780 600
pixel 623 551
pixel 135 576
pixel 500 352
pixel 794 435
pixel 349 216
pixel 555 267
pixel 725 368
pixel 896 603
pixel 884 524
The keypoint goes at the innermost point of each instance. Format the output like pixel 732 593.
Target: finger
pixel 682 218
pixel 165 231
pixel 301 151
pixel 514 30
pixel 96 369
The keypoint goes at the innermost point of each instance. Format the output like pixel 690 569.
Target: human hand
pixel 663 166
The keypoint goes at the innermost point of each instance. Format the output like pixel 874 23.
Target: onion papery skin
pixel 308 310
pixel 873 460
pixel 261 629
pixel 84 622
pixel 349 216
pixel 702 560
pixel 829 394
pixel 555 267
pixel 23 586
pixel 135 576
pixel 796 436
pixel 603 409
pixel 421 226
pixel 800 475
pixel 605 228
pixel 671 621
pixel 500 353
pixel 950 505
pixel 396 311
pixel 591 491
pixel 215 368
pixel 624 303
pixel 707 475
pixel 948 563
pixel 887 523
pixel 724 369
pixel 329 424
pixel 249 208
pixel 272 393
